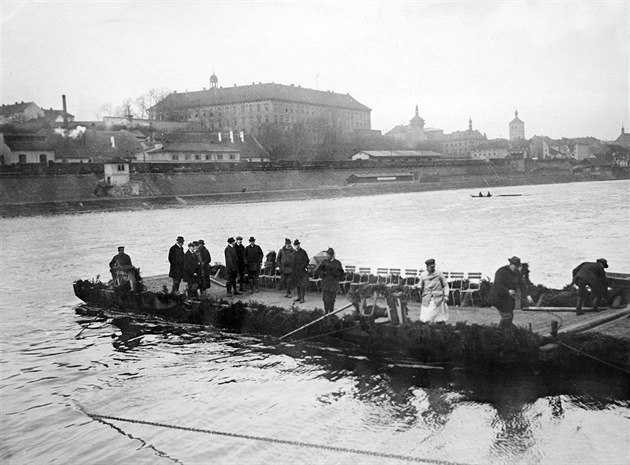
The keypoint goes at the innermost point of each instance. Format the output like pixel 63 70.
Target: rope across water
pixel 406 458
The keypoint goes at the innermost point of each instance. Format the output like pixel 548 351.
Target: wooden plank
pixel 594 320
pixel 557 309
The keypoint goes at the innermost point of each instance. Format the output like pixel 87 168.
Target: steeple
pixel 622 129
pixel 470 125
pixel 214 80
pixel 416 109
pixel 516 114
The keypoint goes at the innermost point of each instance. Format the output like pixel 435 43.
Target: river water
pixel 200 378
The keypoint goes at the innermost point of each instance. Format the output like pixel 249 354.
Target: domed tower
pixel 214 81
pixel 517 128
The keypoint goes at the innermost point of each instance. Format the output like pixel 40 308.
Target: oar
pixel 100 314
pixel 319 319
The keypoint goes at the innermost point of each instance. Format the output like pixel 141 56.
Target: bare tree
pixel 142 105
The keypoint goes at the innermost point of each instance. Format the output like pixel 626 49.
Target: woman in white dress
pixel 433 289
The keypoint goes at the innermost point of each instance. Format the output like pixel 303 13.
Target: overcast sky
pixel 563 65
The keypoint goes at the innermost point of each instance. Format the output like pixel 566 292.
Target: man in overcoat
pixel 240 257
pixel 331 272
pixel 191 271
pixel 120 268
pixel 176 260
pixel 592 275
pixel 204 266
pixel 503 294
pixel 284 261
pixel 231 268
pixel 300 270
pixel 253 261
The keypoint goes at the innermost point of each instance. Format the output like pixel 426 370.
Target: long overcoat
pixel 594 275
pixel 191 268
pixel 176 259
pixel 300 265
pixel 285 260
pixel 505 280
pixel 231 260
pixel 240 255
pixel 331 273
pixel 253 257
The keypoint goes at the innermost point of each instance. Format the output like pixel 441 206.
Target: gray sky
pixel 563 65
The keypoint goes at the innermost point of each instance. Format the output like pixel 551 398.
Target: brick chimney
pixel 65 112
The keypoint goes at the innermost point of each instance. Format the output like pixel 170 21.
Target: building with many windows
pixel 249 108
pixel 517 128
pixel 459 144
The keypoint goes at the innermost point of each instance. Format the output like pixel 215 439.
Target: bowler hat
pixel 190 244
pixel 251 239
pixel 179 239
pixel 330 251
pixel 515 260
pixel 195 243
pixel 201 242
pixel 296 242
pixel 121 248
pixel 230 240
pixel 603 261
pixel 430 261
pixel 287 241
pixel 239 238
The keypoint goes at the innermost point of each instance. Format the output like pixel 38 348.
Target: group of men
pixel 243 265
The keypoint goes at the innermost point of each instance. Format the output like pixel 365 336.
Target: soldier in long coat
pixel 300 271
pixel 253 261
pixel 284 260
pixel 231 268
pixel 191 271
pixel 331 272
pixel 503 294
pixel 176 260
pixel 592 275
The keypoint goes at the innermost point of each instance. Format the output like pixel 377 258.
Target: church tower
pixel 517 128
pixel 415 133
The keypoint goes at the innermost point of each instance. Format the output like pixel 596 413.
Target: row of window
pixel 199 157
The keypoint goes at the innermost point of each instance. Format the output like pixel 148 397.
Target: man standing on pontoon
pixel 591 275
pixel 433 289
pixel 503 294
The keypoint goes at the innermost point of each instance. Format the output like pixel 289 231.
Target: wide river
pixel 210 382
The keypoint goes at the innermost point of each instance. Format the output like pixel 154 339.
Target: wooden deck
pixel 613 322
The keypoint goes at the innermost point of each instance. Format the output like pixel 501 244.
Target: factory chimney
pixel 65 112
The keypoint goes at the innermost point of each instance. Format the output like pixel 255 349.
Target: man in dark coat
pixel 120 268
pixel 176 259
pixel 300 271
pixel 231 268
pixel 331 272
pixel 191 271
pixel 284 260
pixel 253 261
pixel 240 257
pixel 592 275
pixel 204 258
pixel 503 294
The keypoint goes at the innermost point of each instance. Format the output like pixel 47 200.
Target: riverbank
pixel 58 195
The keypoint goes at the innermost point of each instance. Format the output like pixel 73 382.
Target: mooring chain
pixel 276 441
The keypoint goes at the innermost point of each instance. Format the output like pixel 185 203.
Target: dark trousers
pixel 253 279
pixel 175 287
pixel 230 282
pixel 582 293
pixel 329 300
pixel 242 278
pixel 286 281
pixel 300 286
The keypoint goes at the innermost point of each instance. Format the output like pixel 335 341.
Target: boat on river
pixel 375 319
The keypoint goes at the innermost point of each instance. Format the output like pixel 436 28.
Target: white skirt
pixel 437 310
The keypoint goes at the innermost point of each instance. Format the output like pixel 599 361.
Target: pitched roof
pixel 259 92
pixel 623 140
pixel 400 153
pixel 196 147
pixel 52 115
pixel 7 110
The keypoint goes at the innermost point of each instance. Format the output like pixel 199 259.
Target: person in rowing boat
pixel 121 269
pixel 176 259
pixel 433 289
pixel 507 287
pixel 300 271
pixel 480 194
pixel 592 275
pixel 231 268
pixel 488 194
pixel 331 272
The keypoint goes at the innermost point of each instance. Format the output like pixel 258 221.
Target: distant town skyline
pixel 562 65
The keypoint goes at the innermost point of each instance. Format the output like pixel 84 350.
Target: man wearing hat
pixel 433 289
pixel 191 270
pixel 284 261
pixel 119 267
pixel 300 270
pixel 592 275
pixel 253 260
pixel 204 258
pixel 176 260
pixel 231 268
pixel 331 272
pixel 240 257
pixel 503 294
